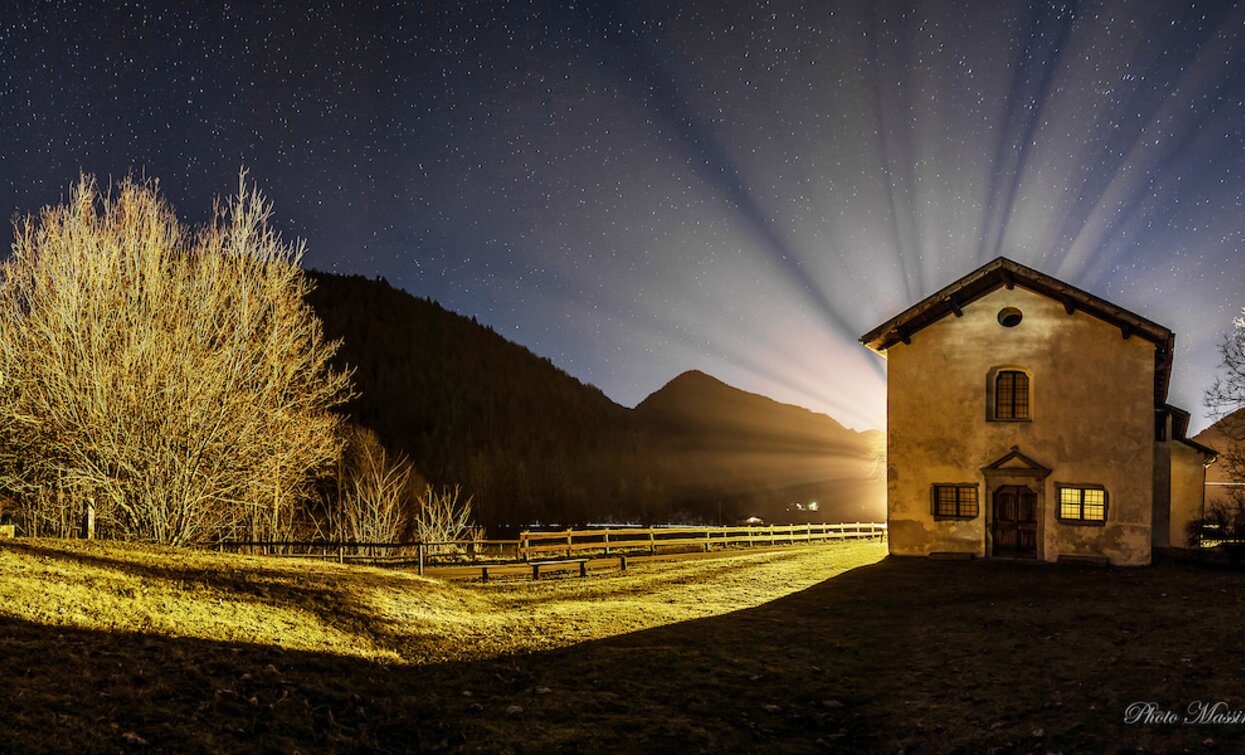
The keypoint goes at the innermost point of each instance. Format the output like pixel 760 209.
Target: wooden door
pixel 1015 522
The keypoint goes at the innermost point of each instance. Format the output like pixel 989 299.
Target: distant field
pixel 802 649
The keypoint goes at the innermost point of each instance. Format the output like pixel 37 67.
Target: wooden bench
pixel 583 565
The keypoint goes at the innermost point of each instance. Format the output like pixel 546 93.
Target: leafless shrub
pixel 373 492
pixel 442 515
pixel 176 377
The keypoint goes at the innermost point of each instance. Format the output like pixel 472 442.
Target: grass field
pixel 801 649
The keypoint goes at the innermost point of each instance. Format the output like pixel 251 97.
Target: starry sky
pixel 634 189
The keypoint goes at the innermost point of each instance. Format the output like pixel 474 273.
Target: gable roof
pixel 1004 272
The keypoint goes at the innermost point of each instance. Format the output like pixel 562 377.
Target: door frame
pixel 1014 468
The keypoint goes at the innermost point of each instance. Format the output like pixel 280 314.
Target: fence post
pixel 652 542
pixel 708 535
pixel 568 542
pixel 88 524
pixel 421 558
pixel 607 542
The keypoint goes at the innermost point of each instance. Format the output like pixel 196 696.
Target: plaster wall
pixel 1188 480
pixel 1219 483
pixel 1092 422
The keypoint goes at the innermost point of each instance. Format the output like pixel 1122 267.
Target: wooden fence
pixel 418 552
pixel 626 539
pixel 570 542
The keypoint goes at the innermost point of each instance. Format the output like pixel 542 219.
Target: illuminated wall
pixel 1092 422
pixel 1188 477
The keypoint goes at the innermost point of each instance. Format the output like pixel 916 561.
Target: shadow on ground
pixel 914 655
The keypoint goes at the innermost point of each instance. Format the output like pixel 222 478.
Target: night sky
pixel 633 191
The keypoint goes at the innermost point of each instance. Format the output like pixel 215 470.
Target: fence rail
pixel 608 541
pixel 571 542
pixel 420 552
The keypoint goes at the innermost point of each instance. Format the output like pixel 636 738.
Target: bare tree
pixel 1226 401
pixel 175 377
pixel 373 493
pixel 1227 394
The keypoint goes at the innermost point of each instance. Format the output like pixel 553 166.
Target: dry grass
pixel 384 615
pixel 794 651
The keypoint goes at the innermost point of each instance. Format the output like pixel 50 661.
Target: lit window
pixel 959 501
pixel 1082 504
pixel 1011 395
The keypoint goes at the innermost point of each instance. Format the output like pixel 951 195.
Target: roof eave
pixel 999 272
pixel 1206 451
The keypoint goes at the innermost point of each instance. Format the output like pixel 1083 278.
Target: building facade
pixel 1028 419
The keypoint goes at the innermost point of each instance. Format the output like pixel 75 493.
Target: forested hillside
pixel 533 444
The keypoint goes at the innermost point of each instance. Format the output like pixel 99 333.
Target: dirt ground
pixel 806 650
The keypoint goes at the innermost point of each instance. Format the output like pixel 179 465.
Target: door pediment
pixel 1015 463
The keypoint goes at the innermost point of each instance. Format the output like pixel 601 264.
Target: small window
pixel 1011 395
pixel 955 501
pixel 1082 504
pixel 1010 317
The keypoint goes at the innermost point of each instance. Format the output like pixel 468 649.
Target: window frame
pixel 992 393
pixel 960 502
pixel 1081 487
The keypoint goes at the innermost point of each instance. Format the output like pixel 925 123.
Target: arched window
pixel 1011 395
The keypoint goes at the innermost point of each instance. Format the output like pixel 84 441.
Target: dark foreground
pixel 912 655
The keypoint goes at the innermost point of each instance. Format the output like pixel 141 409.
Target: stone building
pixel 1027 418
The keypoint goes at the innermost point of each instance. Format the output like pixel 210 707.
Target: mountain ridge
pixel 533 443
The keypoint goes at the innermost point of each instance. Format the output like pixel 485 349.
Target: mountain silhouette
pixel 532 444
pixel 767 458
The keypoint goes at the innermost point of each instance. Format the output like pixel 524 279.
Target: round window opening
pixel 1009 317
